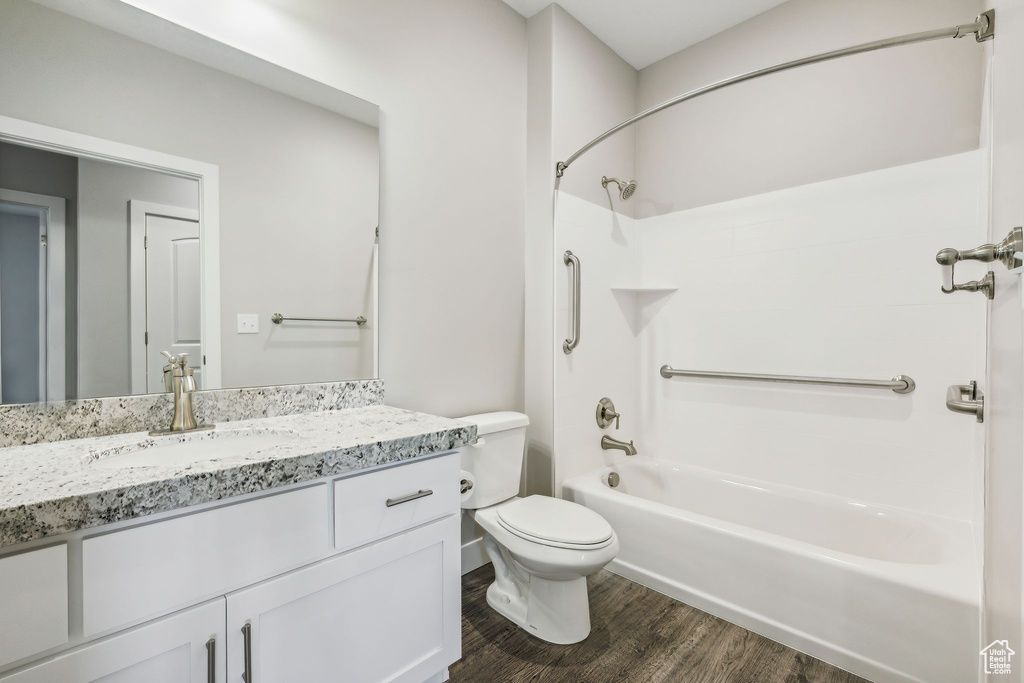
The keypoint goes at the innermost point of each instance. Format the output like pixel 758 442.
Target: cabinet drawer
pixel 33 602
pixel 151 569
pixel 370 506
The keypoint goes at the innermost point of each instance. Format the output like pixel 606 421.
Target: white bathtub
pixel 885 593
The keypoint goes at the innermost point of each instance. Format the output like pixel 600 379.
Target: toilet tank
pixel 494 464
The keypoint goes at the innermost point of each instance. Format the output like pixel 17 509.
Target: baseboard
pixel 473 555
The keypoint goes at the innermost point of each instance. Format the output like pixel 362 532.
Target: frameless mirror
pixel 151 203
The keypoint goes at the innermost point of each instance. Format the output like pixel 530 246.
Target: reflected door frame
pixel 52 340
pixel 28 134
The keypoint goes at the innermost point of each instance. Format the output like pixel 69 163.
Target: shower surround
pixel 835 279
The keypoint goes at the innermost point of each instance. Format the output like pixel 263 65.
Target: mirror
pixel 152 203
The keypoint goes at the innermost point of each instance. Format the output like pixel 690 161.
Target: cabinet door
pixel 173 649
pixel 390 611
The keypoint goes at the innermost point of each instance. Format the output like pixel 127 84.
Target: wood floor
pixel 637 635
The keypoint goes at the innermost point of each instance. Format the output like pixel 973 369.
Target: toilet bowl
pixel 542 548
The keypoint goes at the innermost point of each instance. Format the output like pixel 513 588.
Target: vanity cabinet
pixel 353 579
pixel 186 647
pixel 386 612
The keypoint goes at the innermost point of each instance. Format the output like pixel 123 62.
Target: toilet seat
pixel 555 522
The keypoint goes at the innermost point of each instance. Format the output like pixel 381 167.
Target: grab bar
pixel 901 384
pixel 277 319
pixel 572 342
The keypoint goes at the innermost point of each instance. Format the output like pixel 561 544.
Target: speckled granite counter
pixel 54 488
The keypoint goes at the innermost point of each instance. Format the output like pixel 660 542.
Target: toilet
pixel 542 548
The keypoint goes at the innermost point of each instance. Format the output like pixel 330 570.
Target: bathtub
pixel 884 593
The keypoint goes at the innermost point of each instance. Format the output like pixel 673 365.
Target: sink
pixel 184 449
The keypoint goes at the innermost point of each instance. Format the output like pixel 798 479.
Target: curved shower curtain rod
pixel 983 28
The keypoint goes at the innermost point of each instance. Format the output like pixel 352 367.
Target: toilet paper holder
pixel 1008 252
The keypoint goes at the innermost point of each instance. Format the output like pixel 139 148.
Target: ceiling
pixel 645 31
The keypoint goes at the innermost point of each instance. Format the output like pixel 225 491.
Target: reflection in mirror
pixel 150 203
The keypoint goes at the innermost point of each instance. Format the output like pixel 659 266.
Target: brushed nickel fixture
pixel 606 413
pixel 613 479
pixel 626 189
pixel 277 319
pixel 967 399
pixel 573 262
pixel 211 660
pixel 184 385
pixel 1008 252
pixel 247 652
pixel 610 444
pixel 422 493
pixel 901 384
pixel 982 28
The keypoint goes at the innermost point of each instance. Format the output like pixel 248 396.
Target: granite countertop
pixel 54 488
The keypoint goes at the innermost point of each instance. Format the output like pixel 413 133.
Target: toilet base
pixel 555 611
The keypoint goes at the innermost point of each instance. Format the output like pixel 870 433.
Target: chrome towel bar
pixel 277 319
pixel 901 384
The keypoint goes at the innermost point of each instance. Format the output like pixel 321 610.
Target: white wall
pixel 577 85
pixel 832 279
pixel 450 78
pixel 104 349
pixel 606 362
pixel 298 184
pixel 1004 504
pixel 829 120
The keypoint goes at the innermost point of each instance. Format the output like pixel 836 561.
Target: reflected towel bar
pixel 901 384
pixel 277 319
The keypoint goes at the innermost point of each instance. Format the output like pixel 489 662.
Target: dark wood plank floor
pixel 637 635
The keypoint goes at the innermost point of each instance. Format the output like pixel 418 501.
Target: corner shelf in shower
pixel 645 302
pixel 645 289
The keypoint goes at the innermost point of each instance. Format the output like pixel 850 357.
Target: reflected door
pixel 173 299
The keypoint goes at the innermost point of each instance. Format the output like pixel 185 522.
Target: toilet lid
pixel 554 520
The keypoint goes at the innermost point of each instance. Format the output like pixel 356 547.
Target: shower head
pixel 626 190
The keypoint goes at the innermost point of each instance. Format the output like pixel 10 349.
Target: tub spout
pixel 610 444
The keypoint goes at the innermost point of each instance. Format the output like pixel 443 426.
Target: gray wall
pixel 32 170
pixel 592 89
pixel 450 78
pixel 824 121
pixel 104 344
pixel 298 184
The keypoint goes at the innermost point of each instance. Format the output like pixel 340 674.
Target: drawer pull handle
pixel 211 660
pixel 247 647
pixel 391 502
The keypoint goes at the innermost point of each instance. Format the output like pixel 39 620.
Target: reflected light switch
pixel 248 323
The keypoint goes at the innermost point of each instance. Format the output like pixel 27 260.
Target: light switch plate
pixel 248 323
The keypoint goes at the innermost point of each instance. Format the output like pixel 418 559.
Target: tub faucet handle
pixel 606 413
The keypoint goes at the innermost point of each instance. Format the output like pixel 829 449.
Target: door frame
pixel 207 175
pixel 52 337
pixel 138 316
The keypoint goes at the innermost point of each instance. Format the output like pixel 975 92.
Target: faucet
pixel 183 384
pixel 610 444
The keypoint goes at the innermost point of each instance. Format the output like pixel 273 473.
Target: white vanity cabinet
pixel 386 612
pixel 186 647
pixel 353 579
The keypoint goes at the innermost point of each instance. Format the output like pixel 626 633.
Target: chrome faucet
pixel 183 384
pixel 610 444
